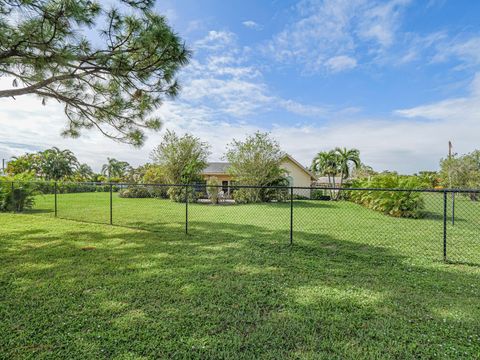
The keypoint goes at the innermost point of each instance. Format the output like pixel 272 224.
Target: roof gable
pixel 296 163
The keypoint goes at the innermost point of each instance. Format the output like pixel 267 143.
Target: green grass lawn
pixel 355 284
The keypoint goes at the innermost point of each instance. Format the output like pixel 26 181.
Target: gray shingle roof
pixel 216 168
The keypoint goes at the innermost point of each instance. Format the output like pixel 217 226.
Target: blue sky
pixel 396 79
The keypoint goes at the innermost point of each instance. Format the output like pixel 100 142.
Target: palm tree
pixel 114 168
pixel 56 164
pixel 346 158
pixel 84 172
pixel 326 163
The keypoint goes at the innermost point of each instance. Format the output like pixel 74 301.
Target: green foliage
pixel 115 169
pixel 154 174
pixel 83 173
pixel 255 162
pixel 406 204
pixel 51 164
pixel 113 83
pixel 18 198
pixel 461 172
pixel 181 159
pixel 135 192
pixel 336 163
pixel 319 194
pixel 213 189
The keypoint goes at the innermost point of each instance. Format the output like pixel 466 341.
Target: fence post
pixel 453 208
pixel 55 191
pixel 13 196
pixel 291 215
pixel 186 209
pixel 444 226
pixel 111 204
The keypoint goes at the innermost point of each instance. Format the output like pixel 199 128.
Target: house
pixel 298 175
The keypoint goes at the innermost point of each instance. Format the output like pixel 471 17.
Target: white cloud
pixel 340 63
pixel 252 25
pixel 329 29
pixel 467 51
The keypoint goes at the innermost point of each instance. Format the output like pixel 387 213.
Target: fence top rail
pixel 237 186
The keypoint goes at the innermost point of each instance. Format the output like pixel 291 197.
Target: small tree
pixel 462 172
pixel 182 160
pixel 255 161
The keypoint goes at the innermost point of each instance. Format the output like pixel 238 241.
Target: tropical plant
pixel 22 164
pixel 84 173
pixel 182 159
pixel 346 159
pixel 112 83
pixel 56 164
pixel 17 193
pixel 326 163
pixel 336 163
pixel 406 203
pixel 115 169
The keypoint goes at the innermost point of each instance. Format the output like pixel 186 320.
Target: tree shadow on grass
pixel 235 292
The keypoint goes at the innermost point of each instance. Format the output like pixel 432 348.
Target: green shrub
pixel 177 193
pixel 20 197
pixel 136 192
pixel 213 189
pixel 319 194
pixel 394 203
pixel 141 191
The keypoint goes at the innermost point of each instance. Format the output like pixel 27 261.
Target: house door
pixel 225 187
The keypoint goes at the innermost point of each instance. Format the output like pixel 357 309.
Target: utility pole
pixel 450 149
pixel 3 166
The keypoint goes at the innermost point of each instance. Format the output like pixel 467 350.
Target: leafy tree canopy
pixel 113 83
pixel 181 158
pixel 256 160
pixel 462 172
pixel 51 164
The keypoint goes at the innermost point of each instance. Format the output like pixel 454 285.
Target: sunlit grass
pixel 348 287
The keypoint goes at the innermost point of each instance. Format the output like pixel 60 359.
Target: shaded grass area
pixel 77 290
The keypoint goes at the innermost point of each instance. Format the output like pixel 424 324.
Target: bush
pixel 141 192
pixel 177 193
pixel 394 203
pixel 319 194
pixel 18 198
pixel 137 192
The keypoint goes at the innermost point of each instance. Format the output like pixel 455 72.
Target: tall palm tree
pixel 326 163
pixel 346 159
pixel 56 164
pixel 114 168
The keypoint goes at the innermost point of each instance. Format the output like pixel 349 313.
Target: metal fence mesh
pixel 449 221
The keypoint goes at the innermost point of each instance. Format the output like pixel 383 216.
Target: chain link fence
pixel 431 224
